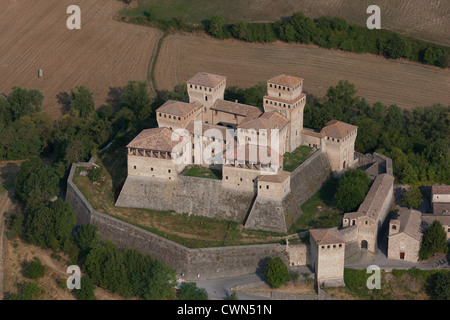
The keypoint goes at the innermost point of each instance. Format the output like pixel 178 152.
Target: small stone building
pixel 372 212
pixel 440 199
pixel 405 236
pixel 327 247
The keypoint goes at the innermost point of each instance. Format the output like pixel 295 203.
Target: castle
pixel 244 142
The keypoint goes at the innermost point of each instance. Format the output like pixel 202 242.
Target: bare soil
pixel 104 55
pixel 406 83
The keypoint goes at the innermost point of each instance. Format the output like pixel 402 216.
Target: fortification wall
pixel 199 196
pixel 305 181
pixel 208 263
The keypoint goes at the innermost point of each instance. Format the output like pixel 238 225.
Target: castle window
pixel 190 86
pixel 284 88
pixel 323 247
pixel 134 167
pixel 209 89
pixel 340 245
pixel 240 179
pixel 195 87
pixel 279 94
pixel 206 98
pixel 179 118
pixel 328 246
pixel 160 114
pixel 394 227
pixel 334 246
pixel 226 177
pixel 169 171
pixel 165 115
pixel 270 85
pixel 260 187
pixel 267 187
pixel 151 169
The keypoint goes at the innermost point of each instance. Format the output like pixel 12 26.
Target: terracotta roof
pixel 410 221
pixel 312 133
pixel 252 154
pixel 285 80
pixel 206 79
pixel 268 120
pixel 372 205
pixel 236 108
pixel 326 236
pixel 440 189
pixel 277 178
pixel 179 108
pixel 158 139
pixel 278 99
pixel 338 129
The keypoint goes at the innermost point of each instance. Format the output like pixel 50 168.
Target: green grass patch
pixel 319 211
pixel 202 172
pixel 293 159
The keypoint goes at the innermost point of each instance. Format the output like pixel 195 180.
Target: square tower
pixel 206 88
pixel 327 256
pixel 284 95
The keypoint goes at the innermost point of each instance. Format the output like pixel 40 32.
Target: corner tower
pixel 284 95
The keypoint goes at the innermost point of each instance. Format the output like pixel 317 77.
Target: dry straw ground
pixel 406 83
pixel 104 54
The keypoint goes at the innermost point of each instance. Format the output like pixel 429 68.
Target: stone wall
pixel 205 263
pixel 199 196
pixel 306 180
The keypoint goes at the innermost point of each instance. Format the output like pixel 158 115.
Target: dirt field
pixel 406 83
pixel 104 54
pixel 426 20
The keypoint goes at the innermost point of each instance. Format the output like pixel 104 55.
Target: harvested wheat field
pixel 406 83
pixel 104 54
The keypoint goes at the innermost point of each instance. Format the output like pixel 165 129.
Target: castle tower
pixel 206 88
pixel 284 95
pixel 327 256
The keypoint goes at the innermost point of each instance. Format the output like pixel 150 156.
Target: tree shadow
pixel 64 100
pixel 114 97
pixel 8 178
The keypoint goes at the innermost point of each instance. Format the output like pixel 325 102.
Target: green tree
pixel 434 241
pixel 276 272
pixel 217 27
pixel 24 102
pixel 438 286
pixel 34 269
pixel 86 292
pixel 5 111
pixel 135 97
pixel 413 197
pixel 82 102
pixel 190 291
pixel 352 189
pixel 36 183
pixel 396 47
pixel 88 238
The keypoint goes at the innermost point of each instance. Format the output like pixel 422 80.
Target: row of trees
pixel 332 33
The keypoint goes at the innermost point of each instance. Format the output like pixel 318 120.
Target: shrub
pixel 276 272
pixel 438 286
pixel 96 174
pixel 27 291
pixel 86 292
pixel 35 269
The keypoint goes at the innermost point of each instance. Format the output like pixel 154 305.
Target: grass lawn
pixel 202 172
pixel 293 159
pixel 319 211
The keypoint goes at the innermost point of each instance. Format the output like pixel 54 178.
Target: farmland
pixel 425 20
pixel 104 54
pixel 245 64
